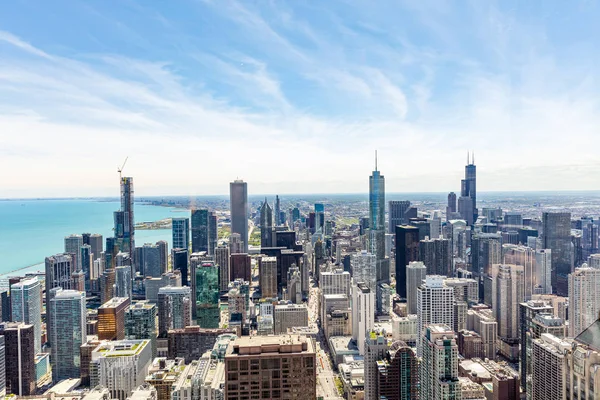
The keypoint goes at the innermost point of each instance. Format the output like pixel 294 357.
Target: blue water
pixel 31 230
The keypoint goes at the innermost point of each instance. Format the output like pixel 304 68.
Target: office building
pixel 398 373
pixel 266 225
pixel 199 230
pixel 375 348
pixel 267 273
pixel 181 233
pixel 467 203
pixel 222 261
pixel 482 322
pixel 68 333
pixel 407 250
pixel 336 281
pixel 439 365
pixel 465 289
pixel 120 366
pixel 363 313
pixel 285 368
pixel 192 342
pixel 180 262
pixel 59 269
pixel 396 214
pixel 507 293
pixel 97 245
pixel 556 236
pixel 213 233
pixel 174 309
pixel 584 299
pixel 124 219
pixel 207 296
pixel 140 323
pixel 87 263
pixel 150 262
pixel 435 305
pixel 163 247
pixel 123 281
pixel 436 255
pixel 415 275
pixel 525 257
pixel 543 271
pixel 238 199
pixel 287 316
pixel 377 224
pixel 111 319
pixel 364 268
pixel 26 302
pixel 73 244
pixel 240 267
pixel 20 358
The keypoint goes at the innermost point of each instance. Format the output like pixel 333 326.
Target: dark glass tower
pixel 407 250
pixel 377 223
pixel 199 230
pixel 266 225
pixel 126 237
pixel 557 237
pixel 469 191
pixel 238 199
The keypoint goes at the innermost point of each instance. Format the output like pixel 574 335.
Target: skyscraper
pixel 238 198
pixel 111 319
pixel 439 366
pixel 124 281
pixel 451 207
pixel 68 333
pixel 435 305
pixel 377 223
pixel 140 323
pixel 150 263
pixel 436 255
pixel 267 268
pixel 199 230
pixel 26 301
pixel 363 313
pixel 415 275
pixel 556 236
pixel 213 233
pixel 507 293
pixel 468 193
pixel 181 233
pixel 222 261
pixel 174 308
pixel 396 211
pixel 278 220
pixel 124 219
pixel 207 295
pixel 266 225
pixel 73 245
pixel 2 367
pixel 180 262
pixel 375 348
pixel 407 250
pixel 96 244
pixel 20 358
pixel 584 299
pixel 364 268
pixel 398 373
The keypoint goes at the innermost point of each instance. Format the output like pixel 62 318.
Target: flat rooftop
pixel 256 345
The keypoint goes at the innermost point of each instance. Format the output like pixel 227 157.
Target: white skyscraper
pixel 415 275
pixel 507 293
pixel 363 313
pixel 68 333
pixel 364 268
pixel 584 298
pixel 26 306
pixel 543 271
pixel 435 305
pixel 73 244
pixel 525 257
pixel 438 371
pixel 335 282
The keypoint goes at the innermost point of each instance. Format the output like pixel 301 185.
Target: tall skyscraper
pixel 278 220
pixel 267 268
pixel 266 225
pixel 150 263
pixel 363 313
pixel 26 301
pixel 525 257
pixel 238 198
pixel 584 299
pixel 213 233
pixel 174 308
pixel 467 203
pixel 207 295
pixel 124 218
pixel 111 319
pixel 181 233
pixel 439 365
pixel 140 323
pixel 87 263
pixel 364 268
pixel 396 214
pixel 73 245
pixel 376 346
pixel 96 244
pixel 180 262
pixel 163 247
pixel 68 333
pixel 199 230
pixel 435 305
pixel 20 358
pixel 451 207
pixel 377 223
pixel 415 275
pixel 437 256
pixel 556 236
pixel 407 250
pixel 124 281
pixel 398 373
pixel 507 293
pixel 543 271
pixel 222 261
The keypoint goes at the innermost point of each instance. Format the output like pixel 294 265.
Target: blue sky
pixel 295 96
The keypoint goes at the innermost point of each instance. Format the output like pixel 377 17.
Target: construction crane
pixel 119 170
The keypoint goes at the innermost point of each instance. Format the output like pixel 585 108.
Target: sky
pixel 296 96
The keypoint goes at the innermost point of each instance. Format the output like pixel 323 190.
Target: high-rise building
pixel 267 273
pixel 96 244
pixel 26 302
pixel 123 281
pixel 222 261
pixel 363 313
pixel 468 193
pixel 439 365
pixel 507 293
pixel 287 316
pixel 207 295
pixel 437 256
pixel 68 333
pixel 150 263
pixel 238 199
pixel 364 268
pixel 525 257
pixel 396 211
pixel 20 358
pixel 140 323
pixel 549 357
pixel 163 247
pixel 375 348
pixel 120 366
pixel 111 319
pixel 59 270
pixel 152 285
pixel 543 271
pixel 266 225
pixel 181 233
pixel 180 262
pixel 556 236
pixel 584 299
pixel 174 308
pixel 407 250
pixel 435 305
pixel 87 263
pixel 398 373
pixel 192 342
pixel 415 275
pixel 377 224
pixel 73 245
pixel 127 241
pixel 213 233
pixel 451 207
pixel 271 360
pixel 240 267
pixel 336 281
pixel 2 367
pixel 199 230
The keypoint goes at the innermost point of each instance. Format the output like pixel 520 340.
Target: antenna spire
pixel 473 157
pixel 375 160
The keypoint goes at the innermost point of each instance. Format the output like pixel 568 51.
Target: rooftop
pixel 256 345
pixel 114 302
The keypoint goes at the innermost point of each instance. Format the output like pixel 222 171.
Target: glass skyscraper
pixel 377 224
pixel 238 199
pixel 26 307
pixel 207 295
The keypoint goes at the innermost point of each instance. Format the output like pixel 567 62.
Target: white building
pixel 121 366
pixel 363 313
pixel 364 269
pixel 336 281
pixel 435 305
pixel 584 298
pixel 507 294
pixel 415 275
pixel 525 257
pixel 287 316
pixel 543 271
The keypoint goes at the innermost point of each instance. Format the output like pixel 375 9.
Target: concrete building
pixel 435 305
pixel 267 268
pixel 396 214
pixel 398 373
pixel 162 375
pixel 415 276
pixel 376 346
pixel 68 333
pixel 439 365
pixel 59 269
pixel 111 319
pixel 549 368
pixel 124 281
pixel 507 293
pixel 192 342
pixel 238 200
pixel 181 233
pixel 120 366
pixel 174 309
pixel 584 299
pixel 140 323
pixel 288 316
pixel 153 285
pixel 335 281
pixel 363 313
pixel 20 358
pixel 222 260
pixel 285 367
pixel 436 254
pixel 482 322
pixel 26 304
pixel 543 271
